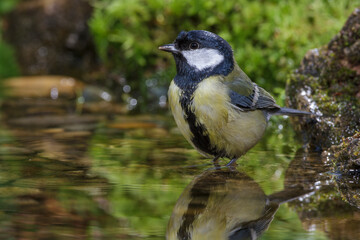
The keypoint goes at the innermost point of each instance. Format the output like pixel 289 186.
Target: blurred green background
pixel 132 176
pixel 8 65
pixel 269 38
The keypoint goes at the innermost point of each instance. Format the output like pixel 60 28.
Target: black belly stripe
pixel 200 136
pixel 199 195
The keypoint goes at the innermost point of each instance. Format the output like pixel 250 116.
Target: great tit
pixel 221 204
pixel 216 106
pixel 225 204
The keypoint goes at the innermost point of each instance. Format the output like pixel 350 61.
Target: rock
pixel 346 156
pixel 328 192
pixel 56 95
pixel 51 87
pixel 52 37
pixel 328 84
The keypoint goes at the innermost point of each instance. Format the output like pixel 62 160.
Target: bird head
pixel 201 53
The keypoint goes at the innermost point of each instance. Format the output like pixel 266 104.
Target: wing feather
pixel 247 95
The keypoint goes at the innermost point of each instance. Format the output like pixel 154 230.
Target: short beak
pixel 169 48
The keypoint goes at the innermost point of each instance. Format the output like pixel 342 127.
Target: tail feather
pixel 289 111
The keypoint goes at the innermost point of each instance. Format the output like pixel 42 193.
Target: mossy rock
pixel 328 84
pixel 348 154
pixel 345 159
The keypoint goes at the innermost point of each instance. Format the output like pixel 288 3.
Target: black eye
pixel 194 45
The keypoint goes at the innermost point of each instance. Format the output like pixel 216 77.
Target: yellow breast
pixel 230 131
pixel 211 103
pixel 174 95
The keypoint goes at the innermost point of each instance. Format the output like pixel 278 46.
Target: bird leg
pixel 216 161
pixel 216 158
pixel 232 162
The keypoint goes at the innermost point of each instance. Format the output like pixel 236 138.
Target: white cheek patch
pixel 203 58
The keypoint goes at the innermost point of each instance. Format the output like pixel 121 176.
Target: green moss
pixel 344 156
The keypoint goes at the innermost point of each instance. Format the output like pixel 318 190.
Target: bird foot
pixel 232 163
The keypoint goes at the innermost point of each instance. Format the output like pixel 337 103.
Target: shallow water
pixel 70 174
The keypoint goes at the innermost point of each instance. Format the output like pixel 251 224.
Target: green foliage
pixel 7 5
pixel 8 65
pixel 269 37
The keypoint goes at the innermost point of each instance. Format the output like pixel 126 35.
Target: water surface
pixel 70 172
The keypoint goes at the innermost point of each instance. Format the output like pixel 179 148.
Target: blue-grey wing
pixel 248 96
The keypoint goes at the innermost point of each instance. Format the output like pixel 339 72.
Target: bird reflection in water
pixel 224 204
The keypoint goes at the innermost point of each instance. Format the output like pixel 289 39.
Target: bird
pixel 221 204
pixel 226 204
pixel 216 106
